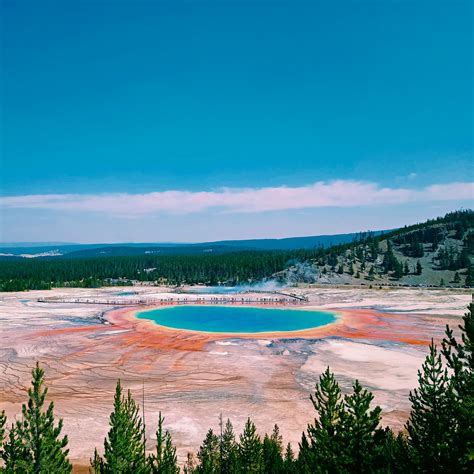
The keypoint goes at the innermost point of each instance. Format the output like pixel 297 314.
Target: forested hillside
pixel 438 252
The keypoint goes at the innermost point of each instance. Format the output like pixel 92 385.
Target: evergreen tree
pixel 406 269
pixel 470 276
pixel 389 259
pixel 351 269
pixel 209 454
pixel 289 462
pixel 332 260
pixel 272 452
pixel 16 456
pixel 365 438
pixel 417 250
pixel 305 463
pixel 346 436
pixel 37 437
pixel 431 423
pixel 250 449
pixel 228 448
pixel 3 422
pixel 419 268
pixel 395 456
pixel 340 269
pixel 123 447
pixel 371 273
pixel 170 460
pixel 464 260
pixel 456 279
pixel 468 242
pixel 397 269
pixel 165 460
pixel 459 357
pixel 323 450
pixel 374 249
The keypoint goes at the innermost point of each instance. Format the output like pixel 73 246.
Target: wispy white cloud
pixel 339 193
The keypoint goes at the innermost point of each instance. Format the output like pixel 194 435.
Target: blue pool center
pixel 237 319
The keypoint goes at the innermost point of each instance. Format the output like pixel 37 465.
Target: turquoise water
pixel 236 319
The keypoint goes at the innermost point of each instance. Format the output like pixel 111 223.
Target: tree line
pixel 346 435
pixel 232 268
pixel 248 266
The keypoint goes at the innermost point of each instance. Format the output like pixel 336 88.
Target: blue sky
pixel 193 110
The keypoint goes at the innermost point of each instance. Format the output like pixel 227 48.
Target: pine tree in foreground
pixel 289 462
pixel 228 448
pixel 323 448
pixel 15 455
pixel 365 438
pixel 123 447
pixel 3 422
pixel 459 357
pixel 165 460
pixel 209 454
pixel 394 454
pixel 272 452
pixel 431 424
pixel 305 461
pixel 346 435
pixel 250 449
pixel 35 443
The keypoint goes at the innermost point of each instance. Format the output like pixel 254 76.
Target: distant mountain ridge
pixel 66 250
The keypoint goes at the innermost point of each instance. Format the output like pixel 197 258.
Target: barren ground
pixel 380 338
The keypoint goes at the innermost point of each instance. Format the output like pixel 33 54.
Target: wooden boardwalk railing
pixel 286 299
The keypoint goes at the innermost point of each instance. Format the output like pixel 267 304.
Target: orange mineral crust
pixel 354 324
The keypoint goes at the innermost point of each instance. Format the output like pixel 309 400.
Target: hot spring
pixel 237 319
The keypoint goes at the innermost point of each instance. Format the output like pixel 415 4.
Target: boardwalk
pixel 182 300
